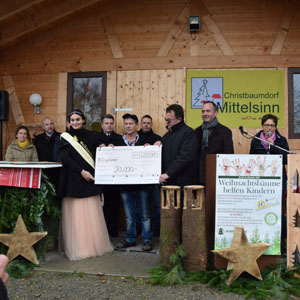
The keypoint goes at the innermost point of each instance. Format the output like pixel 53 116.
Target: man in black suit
pixel 44 144
pixel 147 132
pixel 213 137
pixel 112 199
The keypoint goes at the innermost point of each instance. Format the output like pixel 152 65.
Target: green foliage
pixel 20 268
pixel 173 275
pixel 278 281
pixel 34 205
pixel 31 203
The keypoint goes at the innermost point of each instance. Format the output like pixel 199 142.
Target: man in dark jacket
pixel 112 200
pixel 44 144
pixel 179 150
pixel 213 137
pixel 147 132
pixel 107 136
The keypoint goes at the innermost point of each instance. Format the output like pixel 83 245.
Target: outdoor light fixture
pixel 36 100
pixel 194 25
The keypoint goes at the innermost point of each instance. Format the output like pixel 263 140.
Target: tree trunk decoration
pixel 193 229
pixel 170 223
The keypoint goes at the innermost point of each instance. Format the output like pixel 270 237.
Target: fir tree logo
pixel 207 89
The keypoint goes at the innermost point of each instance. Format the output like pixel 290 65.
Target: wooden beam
pixel 42 19
pixel 13 100
pixel 218 36
pixel 112 37
pixel 111 92
pixel 282 32
pixel 61 102
pixel 10 8
pixel 197 7
pixel 175 31
pixel 153 63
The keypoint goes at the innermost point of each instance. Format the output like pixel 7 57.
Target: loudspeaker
pixel 4 106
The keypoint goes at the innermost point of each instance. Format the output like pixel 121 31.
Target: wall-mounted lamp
pixel 36 100
pixel 194 25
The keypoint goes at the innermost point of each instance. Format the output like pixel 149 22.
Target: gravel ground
pixel 77 286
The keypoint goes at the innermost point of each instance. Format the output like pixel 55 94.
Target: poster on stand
pixel 248 194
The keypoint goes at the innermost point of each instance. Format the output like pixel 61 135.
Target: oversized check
pixel 128 165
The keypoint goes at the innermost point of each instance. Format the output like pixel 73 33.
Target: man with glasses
pixel 179 151
pixel 213 137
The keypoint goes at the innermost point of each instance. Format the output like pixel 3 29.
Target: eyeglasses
pixel 169 120
pixel 269 125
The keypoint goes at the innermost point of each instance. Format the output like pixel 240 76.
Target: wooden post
pixel 293 209
pixel 193 229
pixel 170 222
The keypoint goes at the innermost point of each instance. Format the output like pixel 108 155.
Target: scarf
pixel 79 137
pixel 24 144
pixel 206 128
pixel 266 145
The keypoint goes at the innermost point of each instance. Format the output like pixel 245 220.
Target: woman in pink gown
pixel 84 231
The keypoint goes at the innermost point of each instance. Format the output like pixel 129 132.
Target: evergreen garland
pixel 34 205
pixel 278 281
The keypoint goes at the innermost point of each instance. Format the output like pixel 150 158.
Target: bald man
pixel 44 142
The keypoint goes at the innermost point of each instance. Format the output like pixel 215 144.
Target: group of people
pixel 184 151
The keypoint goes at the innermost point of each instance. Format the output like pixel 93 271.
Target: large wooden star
pixel 21 241
pixel 242 256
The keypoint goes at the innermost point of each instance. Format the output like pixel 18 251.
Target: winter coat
pixel 258 148
pixel 219 142
pixel 15 153
pixel 114 139
pixel 44 146
pixel 179 155
pixel 281 141
pixel 71 183
pixel 150 136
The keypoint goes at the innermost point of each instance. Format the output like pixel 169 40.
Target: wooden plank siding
pixel 123 37
pixel 149 92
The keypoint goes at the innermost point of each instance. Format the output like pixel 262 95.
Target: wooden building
pixel 144 47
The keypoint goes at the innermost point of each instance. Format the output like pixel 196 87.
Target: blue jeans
pixel 130 199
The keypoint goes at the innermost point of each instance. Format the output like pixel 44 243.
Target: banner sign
pixel 24 174
pixel 242 96
pixel 21 177
pixel 248 194
pixel 128 165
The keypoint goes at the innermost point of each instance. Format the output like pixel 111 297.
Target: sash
pixel 83 153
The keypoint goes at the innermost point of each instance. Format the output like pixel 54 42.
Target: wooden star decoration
pixel 242 256
pixel 21 241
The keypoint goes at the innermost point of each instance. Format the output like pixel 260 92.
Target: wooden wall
pixel 149 92
pixel 146 47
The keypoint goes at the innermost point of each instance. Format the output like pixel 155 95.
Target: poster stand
pixel 210 196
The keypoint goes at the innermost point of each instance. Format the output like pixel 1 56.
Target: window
pixel 87 91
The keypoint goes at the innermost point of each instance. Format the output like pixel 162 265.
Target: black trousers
pixel 112 202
